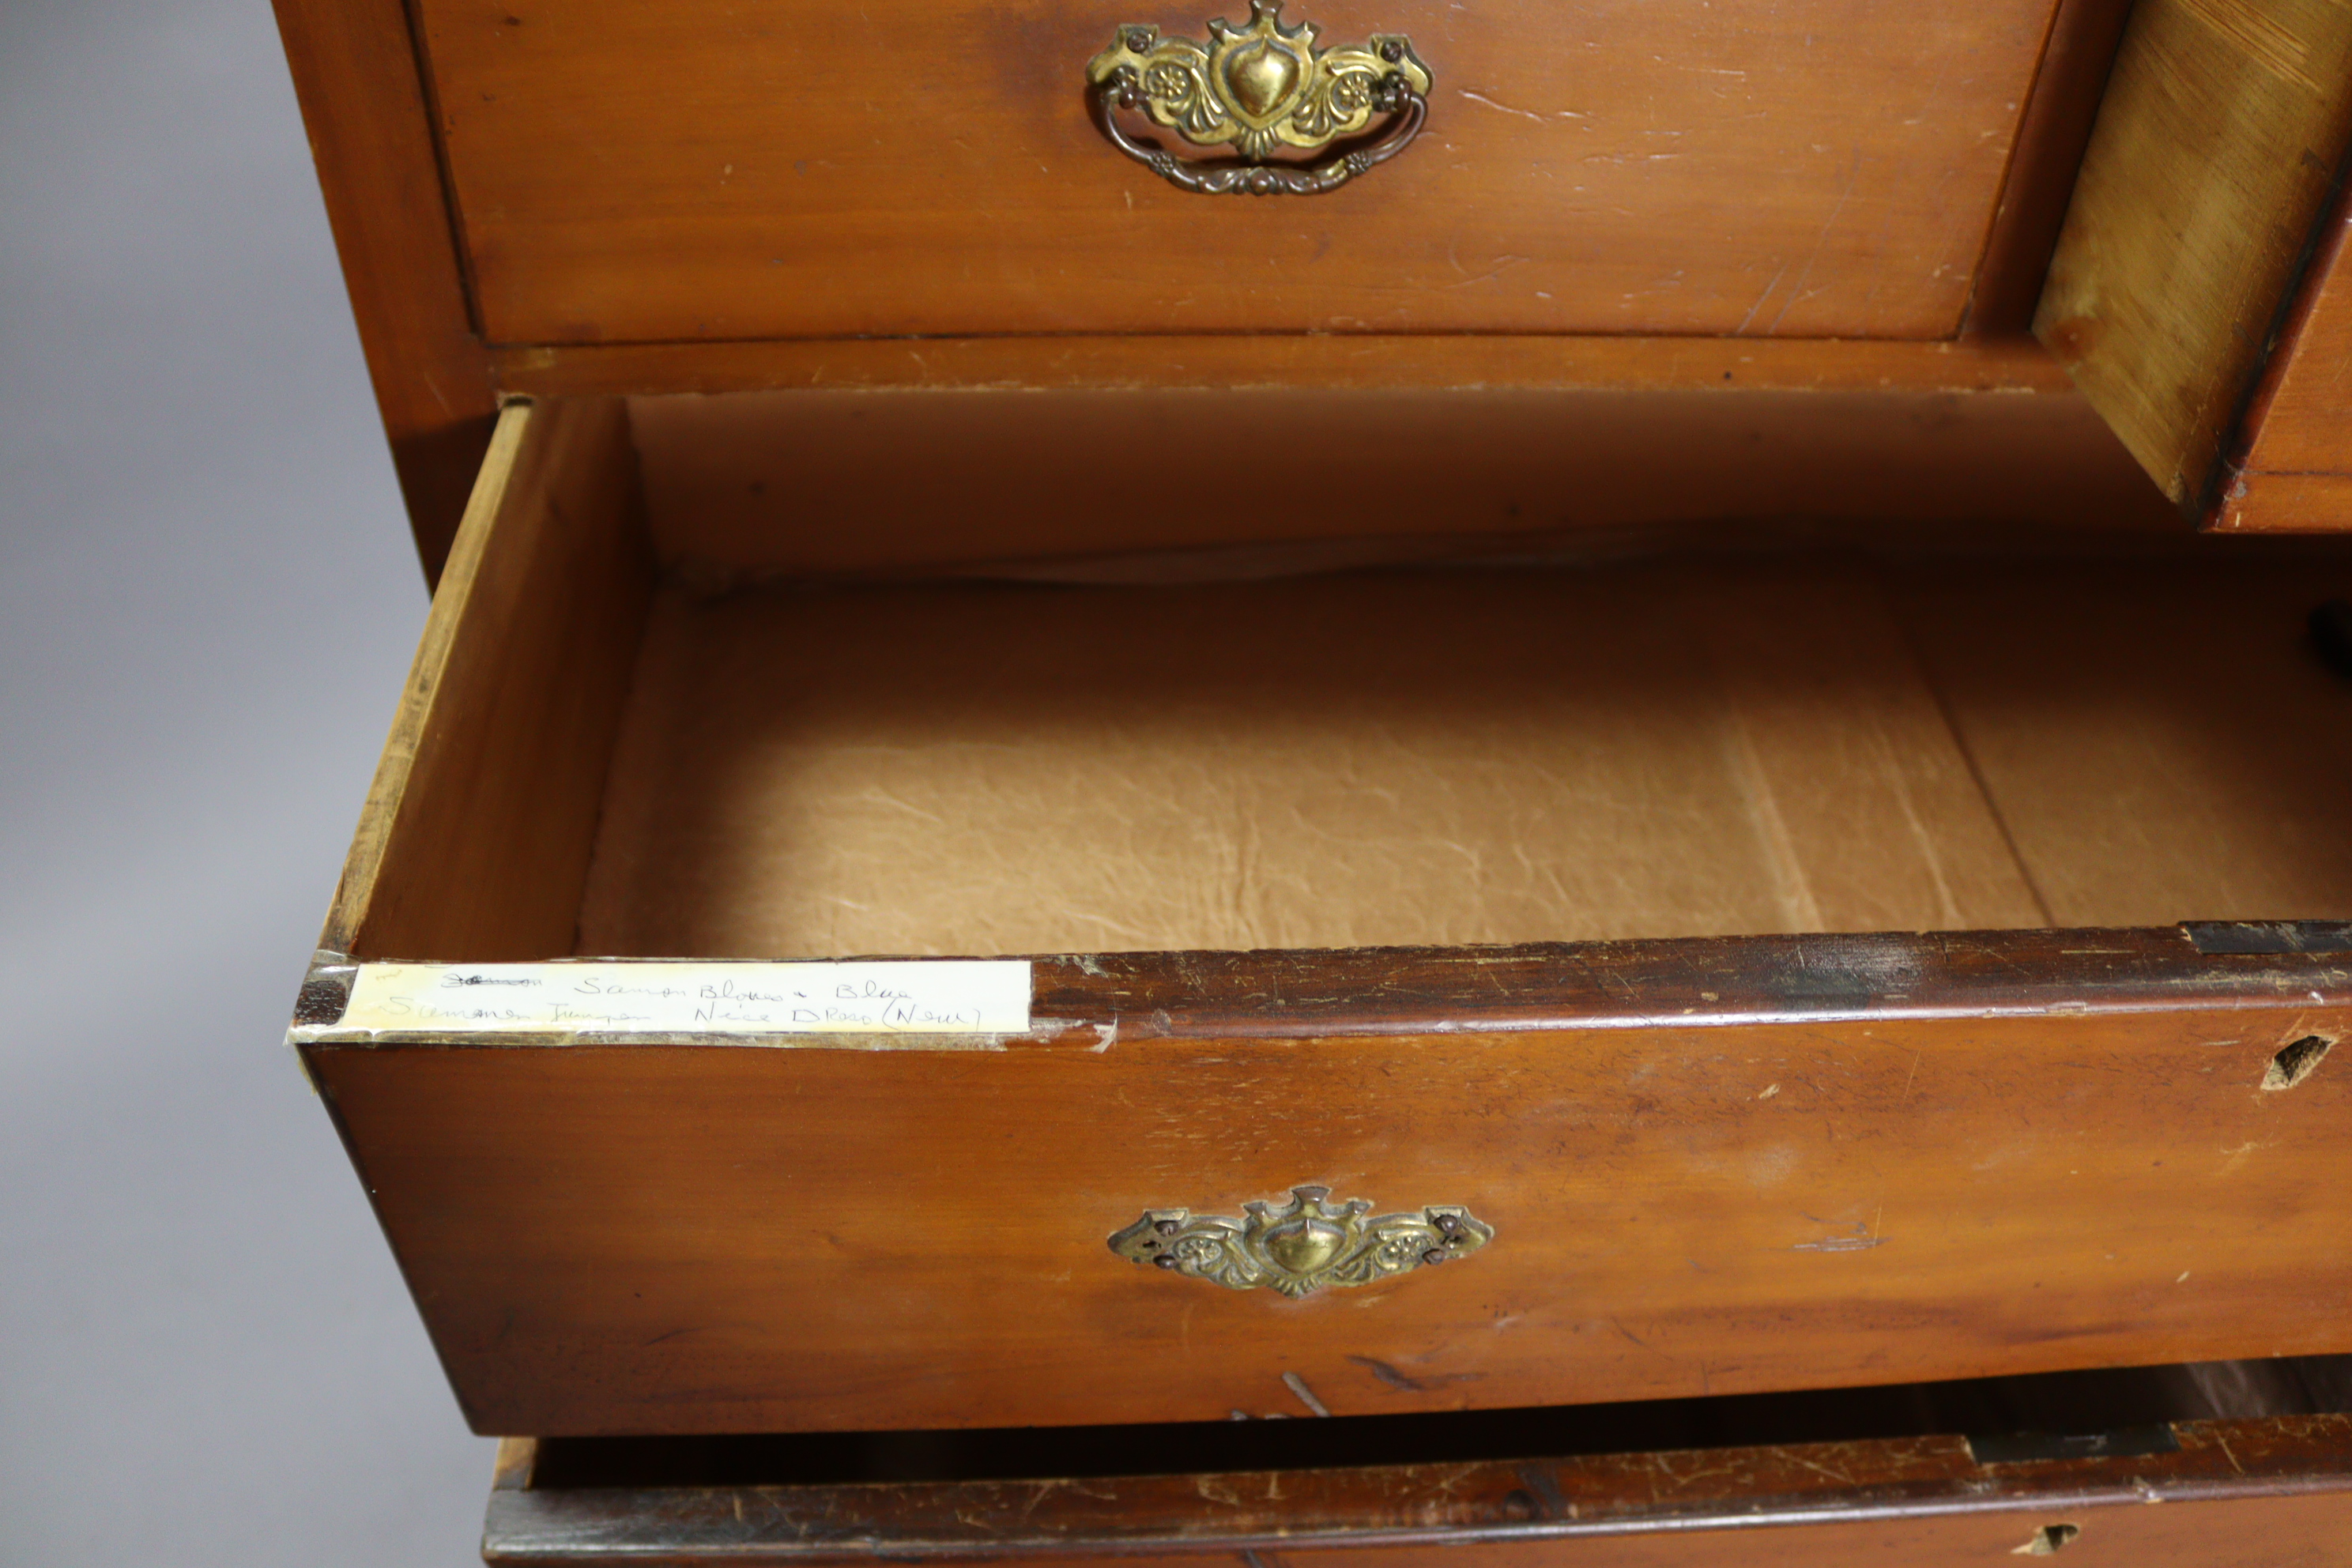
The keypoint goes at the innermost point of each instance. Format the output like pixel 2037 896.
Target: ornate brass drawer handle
pixel 1302 1248
pixel 1259 90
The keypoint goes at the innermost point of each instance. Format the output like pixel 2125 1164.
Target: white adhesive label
pixel 946 997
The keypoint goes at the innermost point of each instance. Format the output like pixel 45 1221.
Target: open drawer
pixel 1475 914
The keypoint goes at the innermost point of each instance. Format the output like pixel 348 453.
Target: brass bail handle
pixel 1259 90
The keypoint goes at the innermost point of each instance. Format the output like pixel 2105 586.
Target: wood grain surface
pixel 364 104
pixel 2218 147
pixel 774 169
pixel 2233 1492
pixel 474 840
pixel 1711 1167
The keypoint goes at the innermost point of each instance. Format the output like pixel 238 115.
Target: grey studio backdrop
pixel 207 600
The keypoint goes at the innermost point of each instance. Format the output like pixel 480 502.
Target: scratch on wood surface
pixel 1481 98
pixel 1741 328
pixel 1861 1241
pixel 1820 242
pixel 1661 1466
pixel 2232 1159
pixel 1789 1457
pixel 1297 1386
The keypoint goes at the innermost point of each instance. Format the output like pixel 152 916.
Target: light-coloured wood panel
pixel 773 168
pixel 475 839
pixel 2218 145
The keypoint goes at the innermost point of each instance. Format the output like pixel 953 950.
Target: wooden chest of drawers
pixel 1585 706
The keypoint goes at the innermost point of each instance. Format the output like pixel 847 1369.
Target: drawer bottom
pixel 2252 1462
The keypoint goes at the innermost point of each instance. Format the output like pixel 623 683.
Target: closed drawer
pixel 1934 1474
pixel 623 173
pixel 1494 900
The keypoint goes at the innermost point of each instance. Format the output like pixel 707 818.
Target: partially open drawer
pixel 2247 1462
pixel 1469 916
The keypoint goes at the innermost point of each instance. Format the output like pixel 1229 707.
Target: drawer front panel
pixel 676 1239
pixel 784 168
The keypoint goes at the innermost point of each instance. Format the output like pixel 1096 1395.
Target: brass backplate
pixel 1260 90
pixel 1302 1248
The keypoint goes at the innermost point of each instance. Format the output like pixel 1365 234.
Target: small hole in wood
pixel 2048 1539
pixel 2294 1061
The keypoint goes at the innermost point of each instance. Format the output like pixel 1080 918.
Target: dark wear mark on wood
pixel 2269 936
pixel 2030 1448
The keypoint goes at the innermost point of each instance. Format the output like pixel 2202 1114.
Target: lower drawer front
pixel 2245 1491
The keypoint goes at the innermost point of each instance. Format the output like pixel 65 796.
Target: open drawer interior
pixel 2061 729
pixel 1259 835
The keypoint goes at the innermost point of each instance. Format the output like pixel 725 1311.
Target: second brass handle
pixel 1260 90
